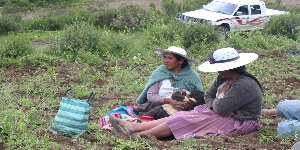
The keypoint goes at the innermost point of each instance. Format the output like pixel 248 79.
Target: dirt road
pixel 146 3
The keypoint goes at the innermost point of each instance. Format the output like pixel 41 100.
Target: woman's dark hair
pixel 242 70
pixel 198 96
pixel 179 57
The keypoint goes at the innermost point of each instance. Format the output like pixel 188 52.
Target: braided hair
pixel 242 70
pixel 179 57
pixel 198 96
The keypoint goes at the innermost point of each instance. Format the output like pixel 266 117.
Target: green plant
pixel 81 36
pixel 130 16
pixel 267 136
pixel 170 7
pixel 104 16
pixel 199 33
pixel 6 126
pixel 117 65
pixel 188 5
pixel 15 47
pixel 10 23
pixel 127 16
pixel 57 20
pixel 117 44
pixel 285 25
pixel 258 40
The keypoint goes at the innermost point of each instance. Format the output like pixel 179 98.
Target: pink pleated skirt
pixel 205 122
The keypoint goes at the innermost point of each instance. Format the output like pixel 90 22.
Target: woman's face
pixel 224 74
pixel 171 62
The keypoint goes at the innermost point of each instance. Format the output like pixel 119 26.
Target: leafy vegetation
pixel 109 50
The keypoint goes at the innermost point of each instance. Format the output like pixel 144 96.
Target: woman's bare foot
pixel 119 126
pixel 269 112
pixel 128 125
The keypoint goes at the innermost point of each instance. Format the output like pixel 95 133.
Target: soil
pixel 285 2
pixel 251 141
pixel 142 3
pixel 248 142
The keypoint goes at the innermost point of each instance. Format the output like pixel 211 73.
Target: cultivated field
pixel 31 86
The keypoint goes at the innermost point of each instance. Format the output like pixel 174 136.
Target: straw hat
pixel 175 50
pixel 226 59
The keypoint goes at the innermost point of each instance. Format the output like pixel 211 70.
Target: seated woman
pixel 175 73
pixel 233 104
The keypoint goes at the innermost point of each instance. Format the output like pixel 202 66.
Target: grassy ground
pixel 31 88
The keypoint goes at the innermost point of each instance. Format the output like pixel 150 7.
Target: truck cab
pixel 250 15
pixel 232 15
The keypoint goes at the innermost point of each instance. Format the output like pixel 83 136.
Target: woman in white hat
pixel 175 73
pixel 233 104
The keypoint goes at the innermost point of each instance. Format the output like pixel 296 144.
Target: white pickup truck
pixel 231 15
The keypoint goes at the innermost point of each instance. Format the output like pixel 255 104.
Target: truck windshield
pixel 220 7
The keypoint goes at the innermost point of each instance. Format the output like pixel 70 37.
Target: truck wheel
pixel 223 31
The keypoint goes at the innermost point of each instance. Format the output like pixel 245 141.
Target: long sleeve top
pixel 185 78
pixel 152 93
pixel 243 97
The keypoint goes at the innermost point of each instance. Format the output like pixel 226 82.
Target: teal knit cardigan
pixel 186 78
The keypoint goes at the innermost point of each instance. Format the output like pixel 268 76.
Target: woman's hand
pixel 176 104
pixel 230 115
pixel 169 101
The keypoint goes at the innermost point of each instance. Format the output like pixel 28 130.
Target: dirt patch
pixel 65 71
pixel 142 3
pixel 286 2
pixel 2 146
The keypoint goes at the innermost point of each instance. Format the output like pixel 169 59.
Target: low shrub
pixel 188 5
pixel 46 24
pixel 199 33
pixel 258 40
pixel 84 37
pixel 15 6
pixel 130 16
pixel 10 23
pixel 54 21
pixel 40 59
pixel 104 16
pixel 189 36
pixel 285 25
pixel 162 35
pixel 15 47
pixel 170 7
pixel 117 44
pixel 12 6
pixel 7 62
pixel 165 32
pixel 124 17
pixel 80 36
pixel 293 9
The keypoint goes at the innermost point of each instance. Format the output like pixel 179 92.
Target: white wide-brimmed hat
pixel 176 50
pixel 226 59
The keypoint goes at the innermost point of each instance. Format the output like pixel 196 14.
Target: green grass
pixel 32 85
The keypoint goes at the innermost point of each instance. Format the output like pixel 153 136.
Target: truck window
pixel 221 7
pixel 255 9
pixel 243 9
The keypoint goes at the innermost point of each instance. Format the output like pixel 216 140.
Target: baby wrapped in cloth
pixel 158 111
